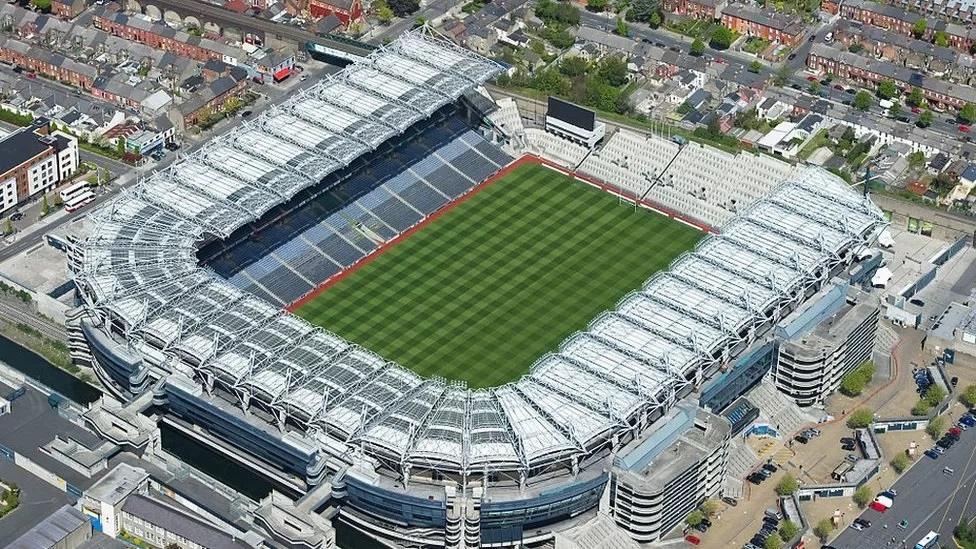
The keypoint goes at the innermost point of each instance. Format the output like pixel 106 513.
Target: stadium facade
pixel 425 461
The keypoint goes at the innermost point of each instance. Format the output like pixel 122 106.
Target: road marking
pixel 958 487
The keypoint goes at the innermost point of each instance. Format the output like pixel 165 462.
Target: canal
pixel 193 453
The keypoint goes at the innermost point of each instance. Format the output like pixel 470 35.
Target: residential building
pixel 208 99
pixel 668 472
pixel 862 70
pixel 162 524
pixel 881 15
pixel 68 9
pixel 823 341
pixel 139 28
pixel 705 10
pixel 38 60
pixel 33 160
pixel 769 25
pixel 346 11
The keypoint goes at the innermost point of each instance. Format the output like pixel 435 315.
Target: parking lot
pixel 929 498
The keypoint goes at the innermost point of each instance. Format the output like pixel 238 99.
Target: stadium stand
pixel 150 311
pixel 557 149
pixel 298 252
pixel 631 161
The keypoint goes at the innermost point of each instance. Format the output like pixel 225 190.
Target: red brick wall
pixel 320 8
pixel 154 40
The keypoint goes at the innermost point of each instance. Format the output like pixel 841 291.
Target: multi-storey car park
pixel 425 461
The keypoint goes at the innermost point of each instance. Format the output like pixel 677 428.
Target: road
pixel 927 498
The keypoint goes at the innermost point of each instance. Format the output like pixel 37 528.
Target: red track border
pixel 521 161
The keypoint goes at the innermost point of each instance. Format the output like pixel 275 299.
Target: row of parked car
pixel 770 527
pixel 758 476
pixel 952 436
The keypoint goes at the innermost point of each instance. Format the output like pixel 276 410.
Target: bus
pixel 930 540
pixel 76 195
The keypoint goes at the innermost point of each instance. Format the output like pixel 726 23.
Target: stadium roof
pixel 139 270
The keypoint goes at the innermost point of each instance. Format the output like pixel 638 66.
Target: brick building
pixel 34 160
pixel 209 99
pixel 68 9
pixel 37 60
pixel 867 71
pixel 346 11
pixel 769 25
pixel 695 9
pixel 162 37
pixel 882 15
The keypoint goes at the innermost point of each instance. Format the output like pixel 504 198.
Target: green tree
pixel 936 427
pixel 755 66
pixel 383 11
pixel 788 530
pixel 643 10
pixel 550 82
pixel 573 65
pixel 787 485
pixel 773 542
pixel 402 8
pixel 42 5
pixel 934 395
pixel 622 28
pixel 887 89
pixel 915 97
pixel 860 418
pixel 694 518
pixel 722 38
pixel 783 75
pixel 862 100
pixel 814 87
pixel 120 145
pixel 900 462
pixel 45 207
pixel 613 70
pixel 597 6
pixel 823 529
pixel 918 29
pixel 655 20
pixel 697 47
pixel 8 227
pixel 968 396
pixel 917 160
pixel 709 507
pixel 968 113
pixel 925 119
pixel 941 39
pixel 862 496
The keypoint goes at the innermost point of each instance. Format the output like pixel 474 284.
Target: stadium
pixel 190 283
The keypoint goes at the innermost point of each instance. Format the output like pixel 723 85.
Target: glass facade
pixel 745 374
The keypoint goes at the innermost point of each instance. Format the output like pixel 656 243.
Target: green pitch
pixel 486 289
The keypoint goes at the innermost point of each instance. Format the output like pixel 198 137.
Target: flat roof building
pixel 33 160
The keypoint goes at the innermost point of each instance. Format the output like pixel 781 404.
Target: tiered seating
pixel 390 210
pixel 417 193
pixel 712 185
pixel 557 149
pixel 290 256
pixel 631 161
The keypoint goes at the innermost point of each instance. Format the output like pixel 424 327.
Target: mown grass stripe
pixel 501 279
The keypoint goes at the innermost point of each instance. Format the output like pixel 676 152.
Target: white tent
pixel 881 277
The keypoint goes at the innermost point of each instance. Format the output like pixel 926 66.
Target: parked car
pixel 955 431
pixel 932 453
pixel 770 467
pixel 16 216
pixel 903 524
pixel 916 110
pixel 856 526
pixel 968 420
pixel 730 500
pixel 962 127
pixel 954 381
pixel 801 439
pixel 863 522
